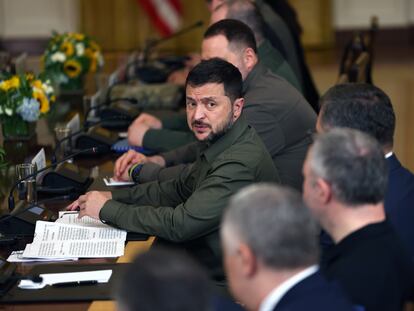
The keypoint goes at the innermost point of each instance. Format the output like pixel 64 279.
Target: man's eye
pixel 211 104
pixel 191 104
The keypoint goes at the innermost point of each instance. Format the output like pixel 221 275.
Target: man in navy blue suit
pixel 345 178
pixel 367 108
pixel 270 248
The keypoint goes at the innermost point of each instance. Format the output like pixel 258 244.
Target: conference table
pixel 98 167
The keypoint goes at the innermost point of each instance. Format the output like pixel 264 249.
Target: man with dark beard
pixel 275 109
pixel 187 210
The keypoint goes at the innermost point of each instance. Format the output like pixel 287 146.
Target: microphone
pixel 109 101
pixel 103 146
pixel 153 43
pixel 151 74
pixel 11 198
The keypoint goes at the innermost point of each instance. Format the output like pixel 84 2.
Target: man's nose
pixel 199 112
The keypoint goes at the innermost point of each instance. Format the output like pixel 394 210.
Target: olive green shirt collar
pixel 210 152
pixel 257 71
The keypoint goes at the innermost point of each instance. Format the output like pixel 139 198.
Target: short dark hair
pixel 353 163
pixel 164 279
pixel 359 106
pixel 217 70
pixel 238 34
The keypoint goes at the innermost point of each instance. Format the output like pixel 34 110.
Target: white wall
pixel 37 18
pixel 357 13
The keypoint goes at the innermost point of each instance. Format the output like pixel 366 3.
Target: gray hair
pixel 352 163
pixel 275 223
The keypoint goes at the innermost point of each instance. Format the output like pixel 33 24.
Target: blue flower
pixel 29 109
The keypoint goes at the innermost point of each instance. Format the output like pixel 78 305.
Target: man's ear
pixel 248 261
pixel 323 190
pixel 237 108
pixel 249 58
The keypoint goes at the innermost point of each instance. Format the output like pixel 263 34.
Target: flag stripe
pixel 164 14
pixel 177 5
pixel 168 14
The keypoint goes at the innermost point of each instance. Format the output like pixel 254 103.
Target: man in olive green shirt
pixel 187 210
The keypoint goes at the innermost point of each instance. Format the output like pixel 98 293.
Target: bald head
pixel 241 10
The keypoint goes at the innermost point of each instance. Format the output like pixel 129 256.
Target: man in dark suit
pixel 345 177
pixel 367 108
pixel 270 249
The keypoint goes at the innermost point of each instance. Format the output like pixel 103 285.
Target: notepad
pixel 114 183
pixel 100 276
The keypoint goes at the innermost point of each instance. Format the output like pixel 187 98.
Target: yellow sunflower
pixel 67 48
pixel 78 36
pixel 38 84
pixel 40 96
pixel 29 76
pixel 72 68
pixel 14 82
pixel 5 85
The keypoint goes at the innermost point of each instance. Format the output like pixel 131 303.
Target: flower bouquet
pixel 23 99
pixel 69 56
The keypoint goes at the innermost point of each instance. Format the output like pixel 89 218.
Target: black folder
pixel 100 291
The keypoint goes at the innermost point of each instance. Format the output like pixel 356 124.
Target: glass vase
pixel 15 128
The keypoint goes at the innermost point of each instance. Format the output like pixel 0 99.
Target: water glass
pixel 27 187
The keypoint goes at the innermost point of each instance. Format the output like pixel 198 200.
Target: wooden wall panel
pixel 122 25
pixel 316 19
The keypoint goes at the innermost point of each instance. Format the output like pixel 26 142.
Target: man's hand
pixel 91 203
pixel 136 133
pixel 125 161
pixel 140 126
pixel 150 120
pixel 178 76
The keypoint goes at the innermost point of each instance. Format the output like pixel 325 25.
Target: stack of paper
pixel 70 237
pixel 17 256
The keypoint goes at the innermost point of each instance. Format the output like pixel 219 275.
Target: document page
pixel 71 218
pixel 59 240
pixel 52 231
pixel 80 249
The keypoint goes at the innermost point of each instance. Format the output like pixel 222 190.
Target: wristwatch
pixel 134 171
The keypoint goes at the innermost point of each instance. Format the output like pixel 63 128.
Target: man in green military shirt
pixel 187 210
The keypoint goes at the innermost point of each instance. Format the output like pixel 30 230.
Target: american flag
pixel 164 14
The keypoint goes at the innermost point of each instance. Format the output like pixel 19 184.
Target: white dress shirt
pixel 388 154
pixel 273 298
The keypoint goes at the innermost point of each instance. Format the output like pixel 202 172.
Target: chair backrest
pixel 357 59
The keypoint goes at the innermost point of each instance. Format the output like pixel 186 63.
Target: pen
pixel 73 284
pixel 68 213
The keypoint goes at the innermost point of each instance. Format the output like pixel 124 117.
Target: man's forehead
pixel 210 43
pixel 205 90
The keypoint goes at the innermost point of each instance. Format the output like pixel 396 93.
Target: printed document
pixel 61 240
